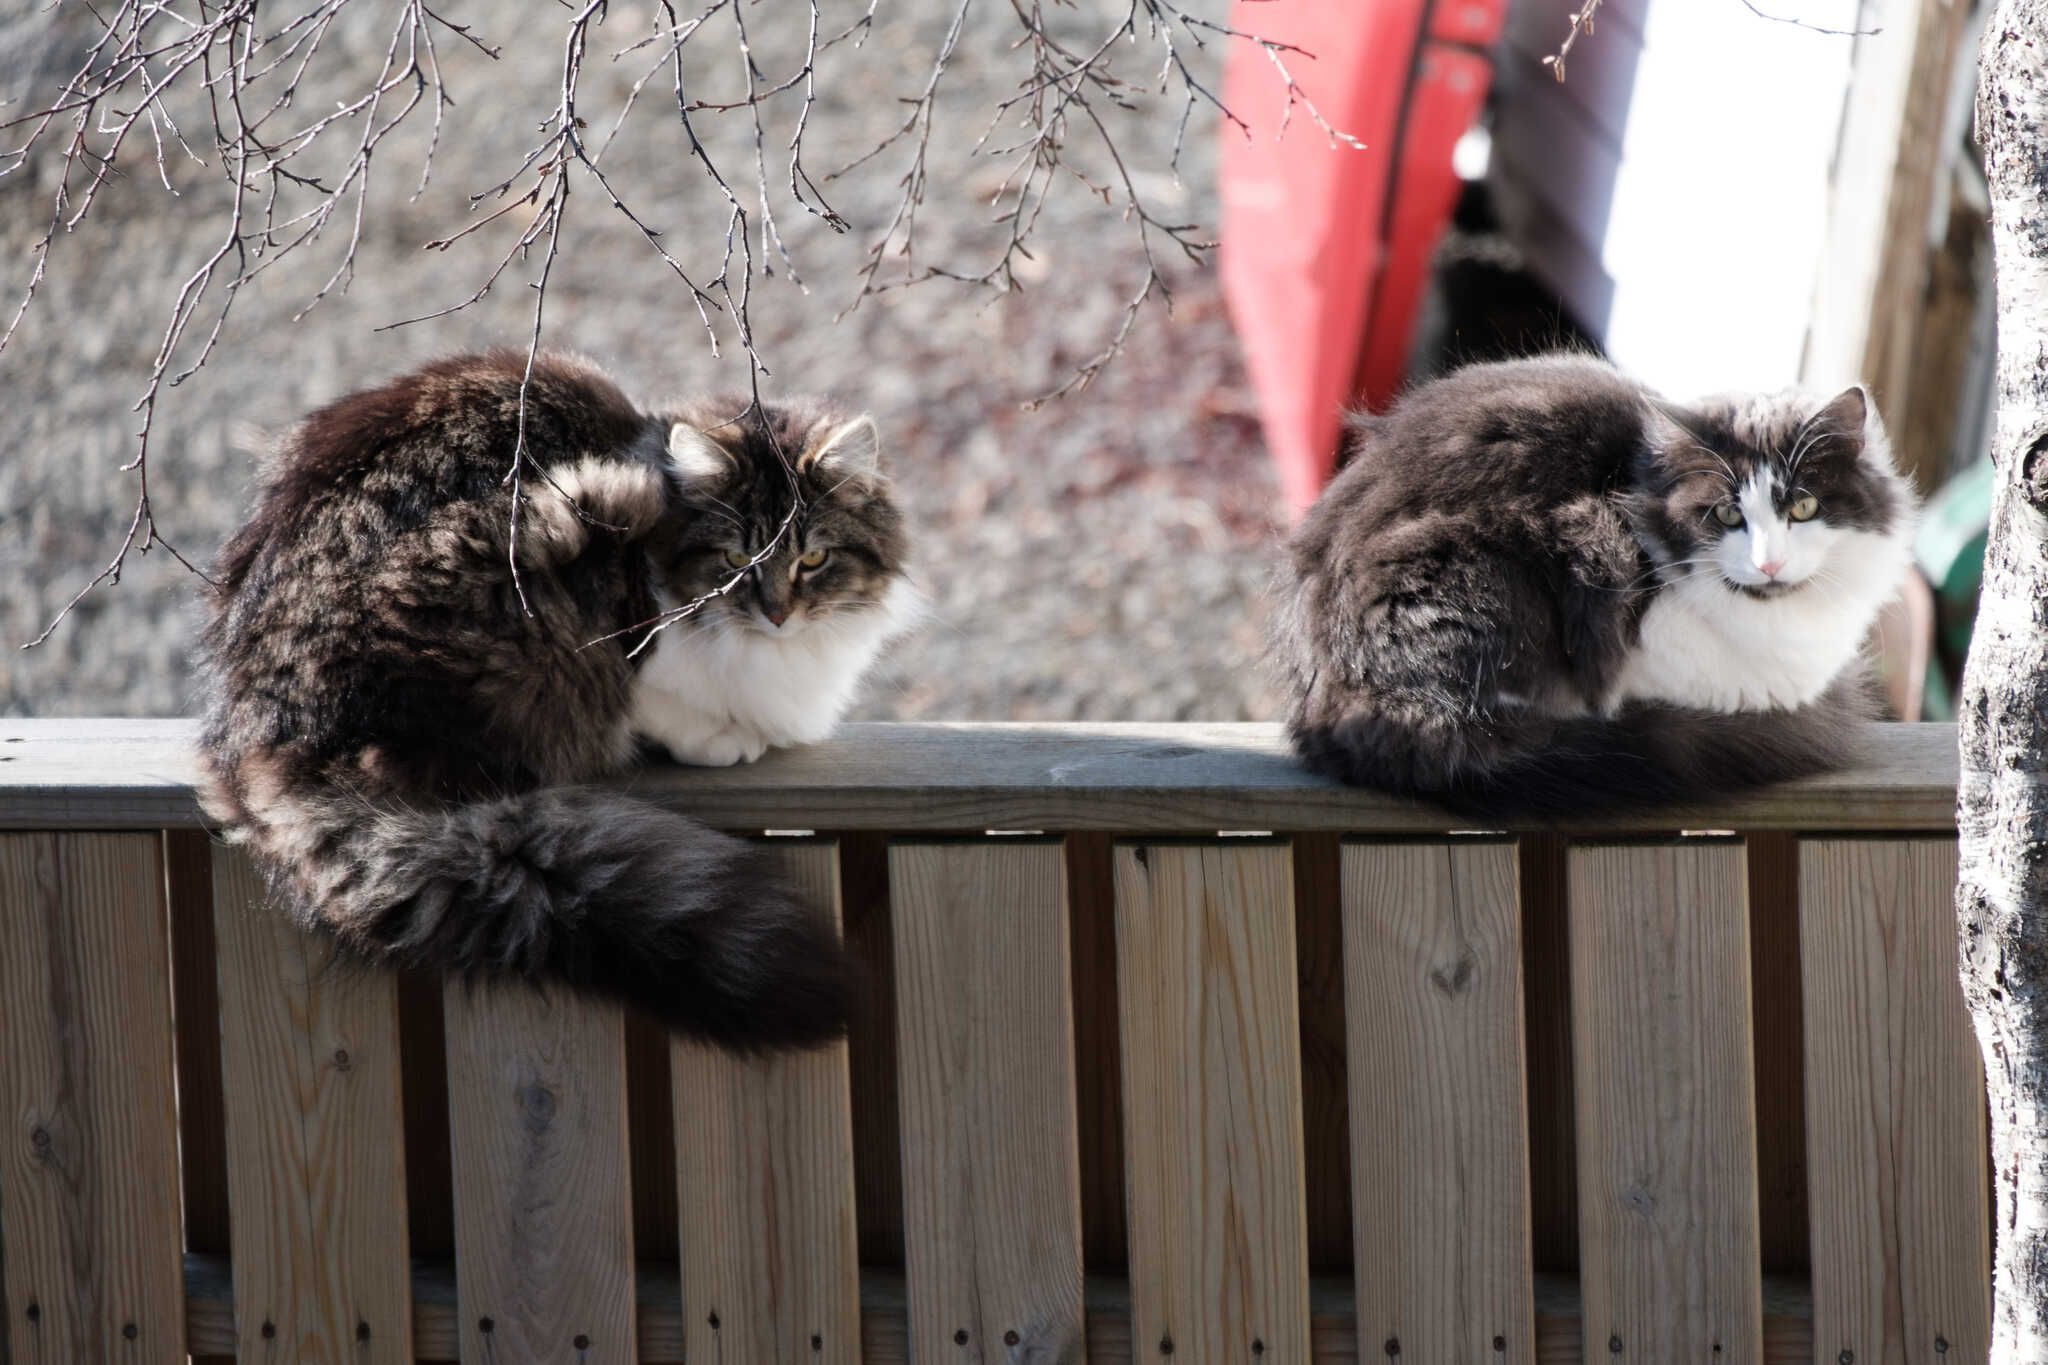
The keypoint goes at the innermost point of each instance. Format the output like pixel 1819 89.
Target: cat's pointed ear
pixel 1844 419
pixel 1671 425
pixel 694 456
pixel 850 450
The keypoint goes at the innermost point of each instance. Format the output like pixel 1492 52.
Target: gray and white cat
pixel 1537 588
pixel 776 659
pixel 401 734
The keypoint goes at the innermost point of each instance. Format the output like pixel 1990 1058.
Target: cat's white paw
pixel 719 750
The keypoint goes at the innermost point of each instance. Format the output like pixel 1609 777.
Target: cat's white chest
pixel 722 693
pixel 1705 646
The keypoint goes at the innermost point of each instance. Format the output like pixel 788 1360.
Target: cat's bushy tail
pixel 569 885
pixel 1560 769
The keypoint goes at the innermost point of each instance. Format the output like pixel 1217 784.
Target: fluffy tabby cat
pixel 1538 588
pixel 399 742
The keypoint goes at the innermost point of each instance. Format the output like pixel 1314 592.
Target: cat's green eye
pixel 813 558
pixel 1728 514
pixel 738 559
pixel 1806 508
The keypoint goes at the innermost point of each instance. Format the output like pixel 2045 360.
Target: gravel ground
pixel 1100 558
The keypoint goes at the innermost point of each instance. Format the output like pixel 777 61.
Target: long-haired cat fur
pixel 1539 589
pixel 403 744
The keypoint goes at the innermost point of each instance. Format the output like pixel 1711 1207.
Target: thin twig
pixel 223 87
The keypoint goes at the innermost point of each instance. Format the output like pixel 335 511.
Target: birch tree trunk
pixel 2002 814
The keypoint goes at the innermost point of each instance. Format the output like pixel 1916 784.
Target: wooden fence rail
pixel 1169 1053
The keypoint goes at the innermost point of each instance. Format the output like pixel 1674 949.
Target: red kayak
pixel 1325 243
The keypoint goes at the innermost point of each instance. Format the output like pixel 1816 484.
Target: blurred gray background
pixel 1099 558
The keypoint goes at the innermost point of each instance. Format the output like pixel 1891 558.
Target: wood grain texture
pixel 1895 1106
pixel 543 1223
pixel 885 1339
pixel 985 1047
pixel 90 1238
pixel 1668 1238
pixel 1154 778
pixel 764 1178
pixel 1440 1157
pixel 1212 1100
pixel 315 1138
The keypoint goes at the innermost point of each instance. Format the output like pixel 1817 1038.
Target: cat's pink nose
pixel 1770 568
pixel 777 617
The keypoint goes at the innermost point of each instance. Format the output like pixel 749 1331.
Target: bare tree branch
pixel 1582 22
pixel 218 86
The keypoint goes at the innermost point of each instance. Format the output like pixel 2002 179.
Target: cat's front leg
pixel 700 740
pixel 710 751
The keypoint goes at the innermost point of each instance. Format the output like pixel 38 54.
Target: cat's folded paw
pixel 721 750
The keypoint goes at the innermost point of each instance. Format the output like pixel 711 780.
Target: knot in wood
pixel 2034 472
pixel 537 1105
pixel 1452 978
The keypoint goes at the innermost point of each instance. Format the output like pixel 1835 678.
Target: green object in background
pixel 1949 548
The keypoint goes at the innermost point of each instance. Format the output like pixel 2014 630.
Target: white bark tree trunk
pixel 2002 813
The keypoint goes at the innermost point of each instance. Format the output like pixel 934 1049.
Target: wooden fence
pixel 1170 1053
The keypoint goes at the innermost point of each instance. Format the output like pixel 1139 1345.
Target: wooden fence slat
pixel 315 1138
pixel 1440 1146
pixel 764 1172
pixel 1212 1101
pixel 985 1051
pixel 1666 1111
pixel 543 1221
pixel 93 1248
pixel 1895 1106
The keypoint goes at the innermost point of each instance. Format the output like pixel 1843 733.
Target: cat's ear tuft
pixel 851 450
pixel 695 456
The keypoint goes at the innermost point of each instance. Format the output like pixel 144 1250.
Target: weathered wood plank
pixel 1212 1099
pixel 1666 1114
pixel 90 1240
pixel 543 1220
pixel 764 1176
pixel 1895 1106
pixel 1166 778
pixel 1440 1151
pixel 985 1047
pixel 315 1138
pixel 1788 1336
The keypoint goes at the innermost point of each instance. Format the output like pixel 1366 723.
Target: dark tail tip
pixel 757 969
